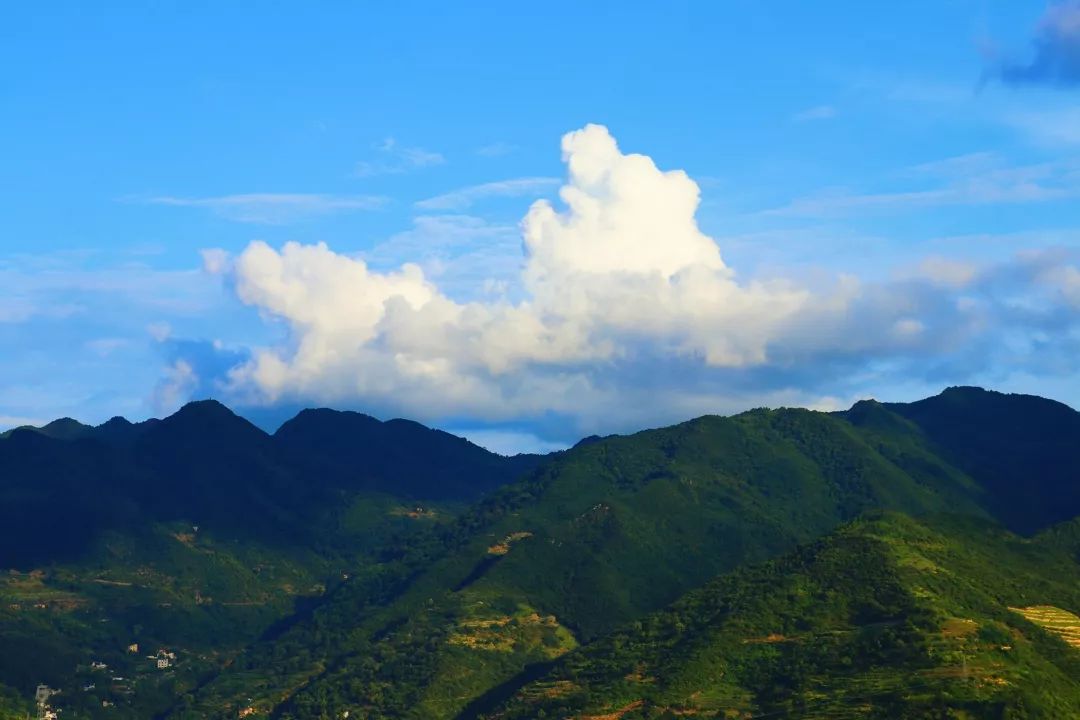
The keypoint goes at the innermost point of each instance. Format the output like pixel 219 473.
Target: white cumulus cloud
pixel 627 314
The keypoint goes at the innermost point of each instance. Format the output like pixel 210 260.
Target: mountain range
pixel 207 466
pixel 891 560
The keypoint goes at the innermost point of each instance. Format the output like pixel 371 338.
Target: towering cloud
pixel 623 216
pixel 628 315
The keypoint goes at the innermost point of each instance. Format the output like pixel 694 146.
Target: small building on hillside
pixel 43 693
pixel 41 696
pixel 164 659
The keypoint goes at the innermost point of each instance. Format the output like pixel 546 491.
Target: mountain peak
pixel 966 396
pixel 207 406
pixel 318 416
pixel 400 456
pixel 862 409
pixel 983 432
pixel 207 416
pixel 205 411
pixel 967 391
pixel 65 428
pixel 116 422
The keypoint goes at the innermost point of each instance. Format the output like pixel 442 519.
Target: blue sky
pixel 927 152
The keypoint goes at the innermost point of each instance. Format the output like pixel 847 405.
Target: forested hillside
pixel 887 617
pixel 738 565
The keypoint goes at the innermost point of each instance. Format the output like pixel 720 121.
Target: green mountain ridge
pixel 1023 449
pixel 389 591
pixel 617 528
pixel 199 532
pixel 207 466
pixel 887 617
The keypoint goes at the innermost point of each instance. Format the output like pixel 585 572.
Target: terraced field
pixel 1054 619
pixel 524 629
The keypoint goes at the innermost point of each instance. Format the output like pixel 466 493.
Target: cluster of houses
pixel 163 659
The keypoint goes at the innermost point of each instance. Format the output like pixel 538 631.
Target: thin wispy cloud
pixel 69 287
pixel 973 179
pixel 819 112
pixel 396 159
pixel 1049 127
pixel 104 347
pixel 275 208
pixel 94 314
pixel 468 256
pixel 957 165
pixel 1056 59
pixel 496 149
pixel 905 87
pixel 465 197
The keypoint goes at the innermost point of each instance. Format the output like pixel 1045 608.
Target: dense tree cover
pixel 206 466
pixel 887 618
pixel 204 533
pixel 616 528
pixel 391 596
pixel 1022 449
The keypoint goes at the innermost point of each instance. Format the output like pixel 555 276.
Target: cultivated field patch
pixel 1054 619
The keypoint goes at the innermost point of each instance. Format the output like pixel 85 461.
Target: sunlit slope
pixel 404 601
pixel 885 618
pixel 610 531
pixel 624 525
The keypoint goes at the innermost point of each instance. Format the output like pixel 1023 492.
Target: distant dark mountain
pixel 401 457
pixel 65 482
pixel 211 467
pixel 55 495
pixel 1024 450
pixel 120 431
pixel 61 429
pixel 67 429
